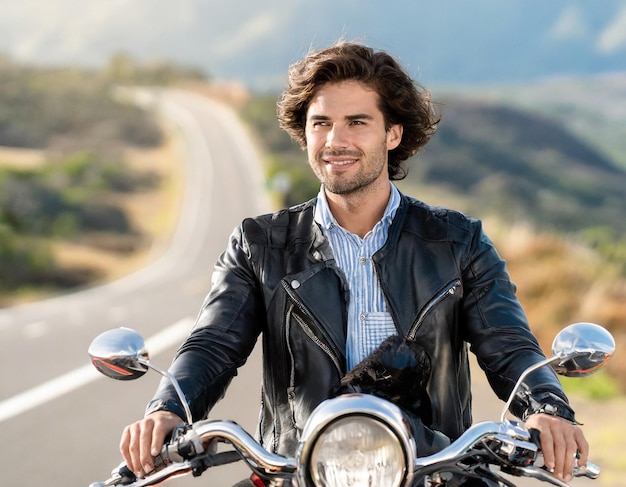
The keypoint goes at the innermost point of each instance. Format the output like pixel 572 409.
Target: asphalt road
pixel 60 422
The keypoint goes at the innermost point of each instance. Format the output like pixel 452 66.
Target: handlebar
pixel 187 453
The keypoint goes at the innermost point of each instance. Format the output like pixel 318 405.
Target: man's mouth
pixel 342 162
pixel 339 158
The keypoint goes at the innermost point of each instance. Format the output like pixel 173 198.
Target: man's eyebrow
pixel 319 117
pixel 357 116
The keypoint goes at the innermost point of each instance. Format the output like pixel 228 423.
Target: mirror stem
pixel 519 382
pixel 174 382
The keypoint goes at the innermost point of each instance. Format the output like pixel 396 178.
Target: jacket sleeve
pixel 223 336
pixel 497 329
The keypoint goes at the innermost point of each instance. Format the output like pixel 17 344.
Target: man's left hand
pixel 562 444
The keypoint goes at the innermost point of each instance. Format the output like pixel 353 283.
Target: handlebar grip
pixel 126 473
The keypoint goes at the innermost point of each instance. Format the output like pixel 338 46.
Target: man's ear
pixel 394 136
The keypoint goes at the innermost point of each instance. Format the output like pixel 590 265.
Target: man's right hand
pixel 142 440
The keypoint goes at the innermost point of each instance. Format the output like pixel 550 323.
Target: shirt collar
pixel 325 218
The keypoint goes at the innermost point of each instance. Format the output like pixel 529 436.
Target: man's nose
pixel 336 137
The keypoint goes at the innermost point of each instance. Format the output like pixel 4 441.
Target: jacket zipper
pixel 291 388
pixel 325 348
pixel 308 330
pixel 449 290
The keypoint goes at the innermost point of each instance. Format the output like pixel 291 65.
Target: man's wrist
pixel 169 405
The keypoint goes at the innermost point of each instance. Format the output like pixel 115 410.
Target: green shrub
pixel 28 205
pixel 22 260
pixel 599 386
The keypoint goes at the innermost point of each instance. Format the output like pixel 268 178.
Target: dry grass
pixel 21 158
pixel 560 282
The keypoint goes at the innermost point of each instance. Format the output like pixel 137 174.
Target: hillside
pixel 523 166
pixel 593 108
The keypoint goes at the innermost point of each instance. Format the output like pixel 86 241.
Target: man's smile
pixel 340 162
pixel 339 158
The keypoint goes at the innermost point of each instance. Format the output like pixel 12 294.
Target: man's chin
pixel 341 189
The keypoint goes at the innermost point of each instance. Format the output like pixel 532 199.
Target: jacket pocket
pixel 447 291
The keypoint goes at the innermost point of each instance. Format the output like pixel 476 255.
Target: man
pixel 328 281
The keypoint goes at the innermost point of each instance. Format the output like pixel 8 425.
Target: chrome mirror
pixel 584 348
pixel 578 350
pixel 121 354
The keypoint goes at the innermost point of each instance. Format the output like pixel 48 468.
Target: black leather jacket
pixel 444 284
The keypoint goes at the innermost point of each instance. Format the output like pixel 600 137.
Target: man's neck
pixel 359 212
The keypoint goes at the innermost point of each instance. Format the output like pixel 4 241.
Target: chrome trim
pixel 461 446
pixel 355 405
pixel 258 459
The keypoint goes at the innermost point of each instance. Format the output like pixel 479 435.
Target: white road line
pixel 34 330
pixel 66 383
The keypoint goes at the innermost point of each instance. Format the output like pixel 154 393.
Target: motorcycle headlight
pixel 357 441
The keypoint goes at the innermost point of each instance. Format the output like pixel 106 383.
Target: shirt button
pixel 295 284
pixel 363 260
pixel 362 316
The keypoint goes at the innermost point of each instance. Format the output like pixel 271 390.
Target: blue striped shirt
pixel 369 322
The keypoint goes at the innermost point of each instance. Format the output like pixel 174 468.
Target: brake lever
pixel 591 471
pixel 121 475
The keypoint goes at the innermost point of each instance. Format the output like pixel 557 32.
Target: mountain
pixel 522 166
pixel 445 41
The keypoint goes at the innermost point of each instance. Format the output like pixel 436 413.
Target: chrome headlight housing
pixel 356 440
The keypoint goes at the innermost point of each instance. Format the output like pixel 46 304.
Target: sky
pixel 256 40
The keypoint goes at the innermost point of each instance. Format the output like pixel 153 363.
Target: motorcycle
pixel 356 439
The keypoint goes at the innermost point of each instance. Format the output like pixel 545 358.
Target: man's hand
pixel 561 443
pixel 142 440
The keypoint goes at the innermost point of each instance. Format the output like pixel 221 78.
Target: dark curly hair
pixel 402 100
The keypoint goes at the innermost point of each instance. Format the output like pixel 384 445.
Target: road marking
pixel 86 374
pixel 34 330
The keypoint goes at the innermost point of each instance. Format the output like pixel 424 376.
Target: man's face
pixel 346 139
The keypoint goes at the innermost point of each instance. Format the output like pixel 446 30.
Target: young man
pixel 329 280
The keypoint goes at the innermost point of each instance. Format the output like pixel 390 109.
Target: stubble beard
pixel 342 184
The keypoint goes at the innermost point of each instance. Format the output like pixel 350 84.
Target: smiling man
pixel 325 283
